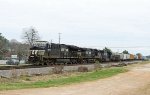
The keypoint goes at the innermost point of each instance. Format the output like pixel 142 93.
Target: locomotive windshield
pixel 40 44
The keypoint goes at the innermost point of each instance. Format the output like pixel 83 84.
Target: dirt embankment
pixel 134 82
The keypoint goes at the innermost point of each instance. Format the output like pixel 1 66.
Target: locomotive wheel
pixel 50 62
pixel 73 61
pixel 97 60
pixel 54 61
pixel 37 62
pixel 80 61
pixel 46 62
pixel 85 61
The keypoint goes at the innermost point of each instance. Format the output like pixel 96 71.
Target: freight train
pixel 45 53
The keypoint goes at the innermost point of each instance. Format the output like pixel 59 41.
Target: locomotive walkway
pixel 134 82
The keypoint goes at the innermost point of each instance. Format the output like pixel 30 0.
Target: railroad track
pixel 25 66
pixel 29 70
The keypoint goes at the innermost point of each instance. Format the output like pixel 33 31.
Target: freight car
pixel 44 53
pixel 125 57
pixel 115 57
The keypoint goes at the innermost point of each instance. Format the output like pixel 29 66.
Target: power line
pixel 133 47
pixel 122 47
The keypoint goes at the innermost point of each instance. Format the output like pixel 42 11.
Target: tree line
pixel 14 47
pixel 4 45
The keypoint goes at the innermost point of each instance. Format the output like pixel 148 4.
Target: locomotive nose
pixel 34 52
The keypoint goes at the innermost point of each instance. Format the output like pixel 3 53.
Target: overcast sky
pixel 118 24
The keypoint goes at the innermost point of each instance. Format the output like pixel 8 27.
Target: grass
pixel 83 77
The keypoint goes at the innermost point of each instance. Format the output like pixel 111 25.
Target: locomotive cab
pixel 38 50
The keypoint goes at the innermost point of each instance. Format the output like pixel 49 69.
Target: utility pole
pixel 59 44
pixel 51 41
pixel 59 37
pixel 118 50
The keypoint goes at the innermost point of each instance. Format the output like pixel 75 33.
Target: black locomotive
pixel 44 53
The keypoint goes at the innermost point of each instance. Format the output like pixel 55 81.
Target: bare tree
pixel 30 35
